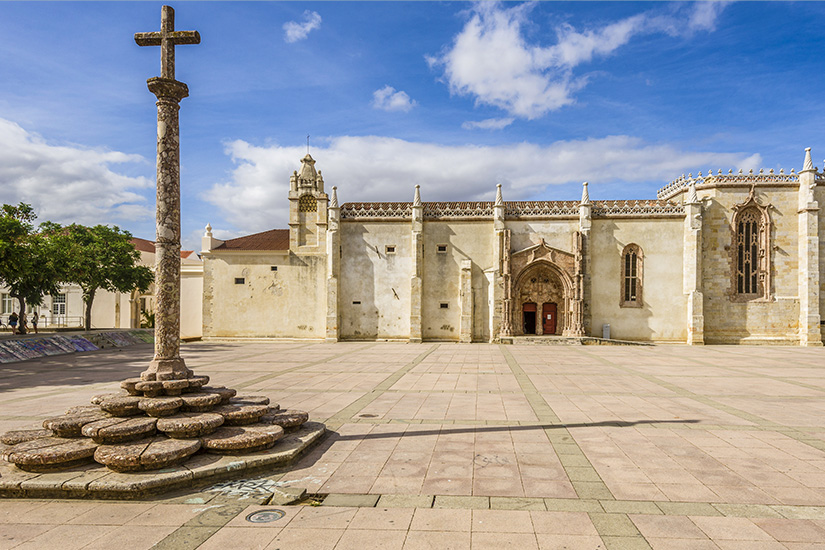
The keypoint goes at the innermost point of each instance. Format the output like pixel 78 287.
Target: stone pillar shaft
pixel 167 363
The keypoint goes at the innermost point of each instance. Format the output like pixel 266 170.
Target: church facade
pixel 720 258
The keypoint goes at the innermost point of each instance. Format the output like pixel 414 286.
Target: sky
pixel 456 97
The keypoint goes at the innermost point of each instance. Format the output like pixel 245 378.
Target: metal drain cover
pixel 265 516
pixel 367 415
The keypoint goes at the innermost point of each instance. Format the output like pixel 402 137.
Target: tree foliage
pixel 102 257
pixel 31 265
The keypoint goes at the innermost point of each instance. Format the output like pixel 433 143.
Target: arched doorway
pixel 542 300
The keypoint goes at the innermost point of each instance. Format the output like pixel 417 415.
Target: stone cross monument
pixel 167 363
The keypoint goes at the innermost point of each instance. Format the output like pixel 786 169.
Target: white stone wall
pixel 378 280
pixel 758 321
pixel 663 313
pixel 287 303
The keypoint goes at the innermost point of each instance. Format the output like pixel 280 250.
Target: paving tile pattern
pixel 478 446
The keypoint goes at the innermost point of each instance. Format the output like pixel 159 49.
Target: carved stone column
pixel 167 363
pixel 809 314
pixel 416 278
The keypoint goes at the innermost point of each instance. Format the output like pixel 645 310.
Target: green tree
pixel 31 265
pixel 102 257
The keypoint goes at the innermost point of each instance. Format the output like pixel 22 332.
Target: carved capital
pixel 168 88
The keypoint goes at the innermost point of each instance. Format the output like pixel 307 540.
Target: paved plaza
pixel 458 446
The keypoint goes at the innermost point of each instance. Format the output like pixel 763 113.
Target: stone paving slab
pixel 471 446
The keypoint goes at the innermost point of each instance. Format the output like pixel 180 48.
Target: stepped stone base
pixel 97 481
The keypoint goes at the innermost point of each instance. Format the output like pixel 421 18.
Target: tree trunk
pixel 21 322
pixel 87 323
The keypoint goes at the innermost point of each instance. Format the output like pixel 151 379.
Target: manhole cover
pixel 368 416
pixel 265 516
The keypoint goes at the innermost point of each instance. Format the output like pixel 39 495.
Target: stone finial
pixel 333 203
pixel 692 197
pixel 809 163
pixel 417 196
pixel 308 172
pixel 585 194
pixel 208 232
pixel 499 198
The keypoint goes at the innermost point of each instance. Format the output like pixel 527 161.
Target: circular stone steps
pixel 154 388
pixel 241 415
pixel 242 439
pixel 50 453
pixel 160 406
pixel 225 393
pixel 187 424
pixel 15 437
pixel 287 419
pixel 69 425
pixel 249 400
pixel 123 405
pixel 146 454
pixel 199 401
pixel 119 430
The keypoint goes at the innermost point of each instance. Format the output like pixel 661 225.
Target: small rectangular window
pixel 59 304
pixel 390 249
pixel 445 305
pixel 356 303
pixel 273 268
pixel 441 248
pixel 239 280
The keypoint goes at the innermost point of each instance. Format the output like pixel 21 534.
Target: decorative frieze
pixel 730 179
pixel 515 210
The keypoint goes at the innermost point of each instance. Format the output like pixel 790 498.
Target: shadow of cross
pixel 167 39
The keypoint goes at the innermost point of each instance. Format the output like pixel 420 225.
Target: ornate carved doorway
pixel 548 318
pixel 541 283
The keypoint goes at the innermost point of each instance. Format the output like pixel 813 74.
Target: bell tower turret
pixel 307 209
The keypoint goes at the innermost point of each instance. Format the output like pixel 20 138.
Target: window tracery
pixel 632 264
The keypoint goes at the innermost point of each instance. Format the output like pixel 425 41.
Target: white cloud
pixel 376 168
pixel 492 61
pixel 488 124
pixel 295 31
pixel 68 184
pixel 388 99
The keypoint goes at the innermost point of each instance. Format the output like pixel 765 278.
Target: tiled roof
pixel 274 239
pixel 143 245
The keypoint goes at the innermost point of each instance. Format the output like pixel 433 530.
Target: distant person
pixel 34 321
pixel 13 322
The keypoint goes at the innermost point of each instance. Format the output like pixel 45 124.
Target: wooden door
pixel 548 316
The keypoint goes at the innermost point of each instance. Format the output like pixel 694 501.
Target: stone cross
pixel 167 39
pixel 167 363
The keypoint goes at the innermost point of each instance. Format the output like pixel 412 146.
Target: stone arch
pixel 542 282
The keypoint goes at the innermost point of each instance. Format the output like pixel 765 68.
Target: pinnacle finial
pixel 333 203
pixel 417 196
pixel 585 194
pixel 809 163
pixel 499 198
pixel 208 230
pixel 692 197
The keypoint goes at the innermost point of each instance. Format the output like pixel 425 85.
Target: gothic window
pixel 747 253
pixel 631 292
pixel 307 203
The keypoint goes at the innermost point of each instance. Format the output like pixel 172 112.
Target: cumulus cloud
pixel 69 184
pixel 492 60
pixel 390 99
pixel 374 168
pixel 488 124
pixel 295 31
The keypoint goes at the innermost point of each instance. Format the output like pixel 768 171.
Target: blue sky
pixel 456 97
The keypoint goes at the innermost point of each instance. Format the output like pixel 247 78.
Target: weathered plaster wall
pixel 191 298
pixel 662 315
pixel 287 303
pixel 466 240
pixel 819 195
pixel 380 281
pixel 556 233
pixel 758 321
